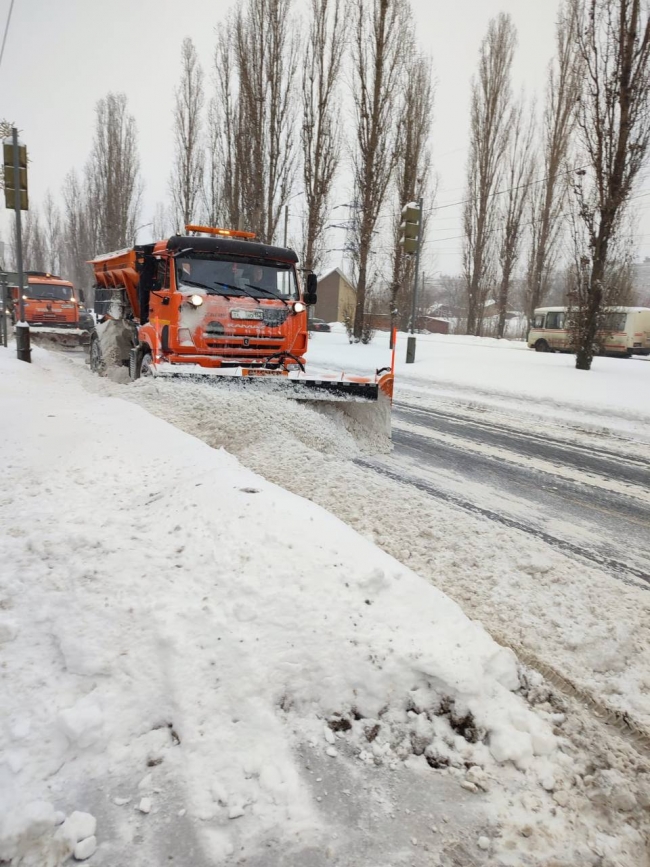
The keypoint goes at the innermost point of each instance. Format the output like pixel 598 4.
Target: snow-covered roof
pixel 336 271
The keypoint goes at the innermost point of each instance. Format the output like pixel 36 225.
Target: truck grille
pixel 243 345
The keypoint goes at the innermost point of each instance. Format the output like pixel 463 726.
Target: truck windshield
pixel 236 277
pixel 49 291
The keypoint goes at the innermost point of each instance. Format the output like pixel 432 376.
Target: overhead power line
pixel 528 223
pixel 4 38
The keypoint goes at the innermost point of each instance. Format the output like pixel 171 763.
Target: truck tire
pixel 542 346
pixel 96 358
pixel 145 365
pixel 139 363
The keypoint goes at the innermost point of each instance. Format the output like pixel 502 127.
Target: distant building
pixel 336 297
pixel 423 323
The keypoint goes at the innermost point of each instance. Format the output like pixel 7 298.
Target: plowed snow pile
pixel 183 646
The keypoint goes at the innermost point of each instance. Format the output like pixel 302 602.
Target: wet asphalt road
pixel 586 497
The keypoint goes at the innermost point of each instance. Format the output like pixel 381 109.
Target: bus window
pixel 614 322
pixel 555 320
pixel 538 321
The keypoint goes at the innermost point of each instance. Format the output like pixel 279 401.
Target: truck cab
pixel 48 301
pixel 211 302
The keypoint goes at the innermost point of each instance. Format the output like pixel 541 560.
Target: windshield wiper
pixel 270 292
pixel 238 288
pixel 185 282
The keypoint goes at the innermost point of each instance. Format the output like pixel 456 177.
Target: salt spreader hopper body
pixel 216 305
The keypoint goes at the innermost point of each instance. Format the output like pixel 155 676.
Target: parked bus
pixel 626 331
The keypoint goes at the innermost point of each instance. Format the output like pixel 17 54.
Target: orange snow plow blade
pixel 68 338
pixel 365 400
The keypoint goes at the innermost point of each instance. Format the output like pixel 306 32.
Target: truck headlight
pixel 299 307
pixel 195 300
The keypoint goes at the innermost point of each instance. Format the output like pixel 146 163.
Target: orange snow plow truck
pixel 51 310
pixel 214 305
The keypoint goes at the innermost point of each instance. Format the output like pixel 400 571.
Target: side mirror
pixel 82 296
pixel 311 295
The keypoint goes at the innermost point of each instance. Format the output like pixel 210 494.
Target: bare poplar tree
pixel 52 231
pixel 113 174
pixel 381 36
pixel 186 180
pixel 78 232
pixel 217 177
pixel 613 122
pixel 320 129
pixel 252 130
pixel 160 227
pixel 548 197
pixel 413 174
pixel 34 242
pixel 517 179
pixel 490 115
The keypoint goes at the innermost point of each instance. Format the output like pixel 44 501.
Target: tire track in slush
pixel 583 457
pixel 619 569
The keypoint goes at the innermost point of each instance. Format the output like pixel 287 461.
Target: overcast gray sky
pixel 63 55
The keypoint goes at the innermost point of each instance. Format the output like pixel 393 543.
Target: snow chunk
pixel 82 723
pixel 145 805
pixel 85 848
pixel 8 629
pixel 236 811
pixel 503 668
pixel 79 826
pixel 26 836
pixel 83 656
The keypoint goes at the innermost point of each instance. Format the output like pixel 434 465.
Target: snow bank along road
pixel 197 666
pixel 475 425
pixel 567 471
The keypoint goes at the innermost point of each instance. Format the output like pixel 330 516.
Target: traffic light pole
pixel 410 343
pixel 23 349
pixel 4 325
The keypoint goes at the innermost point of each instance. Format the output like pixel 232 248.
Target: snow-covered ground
pixel 614 394
pixel 572 617
pixel 221 672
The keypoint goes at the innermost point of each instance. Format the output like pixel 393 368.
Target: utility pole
pixel 16 195
pixel 286 223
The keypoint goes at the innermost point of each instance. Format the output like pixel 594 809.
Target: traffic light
pixel 10 176
pixel 409 230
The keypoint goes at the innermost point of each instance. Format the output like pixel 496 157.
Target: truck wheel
pixel 139 363
pixel 542 346
pixel 145 366
pixel 97 364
